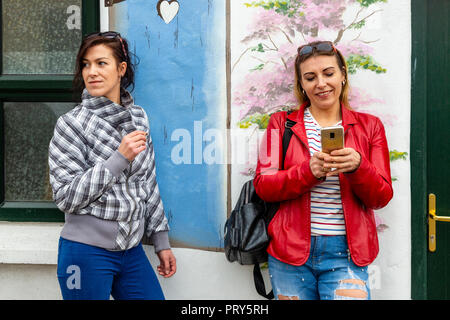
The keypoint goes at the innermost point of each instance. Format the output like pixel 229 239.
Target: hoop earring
pixel 343 83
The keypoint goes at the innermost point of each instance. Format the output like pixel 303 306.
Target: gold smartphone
pixel 332 138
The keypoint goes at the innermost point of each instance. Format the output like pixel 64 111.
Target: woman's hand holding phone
pixel 316 165
pixel 340 161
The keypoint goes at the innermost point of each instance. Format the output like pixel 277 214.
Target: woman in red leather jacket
pixel 323 236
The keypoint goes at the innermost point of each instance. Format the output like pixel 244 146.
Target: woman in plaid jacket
pixel 102 172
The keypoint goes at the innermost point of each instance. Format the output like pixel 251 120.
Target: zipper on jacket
pixel 129 194
pixel 343 210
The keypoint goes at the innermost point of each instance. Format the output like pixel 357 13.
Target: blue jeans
pixel 328 274
pixel 87 272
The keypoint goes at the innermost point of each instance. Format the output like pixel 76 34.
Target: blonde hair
pixel 298 90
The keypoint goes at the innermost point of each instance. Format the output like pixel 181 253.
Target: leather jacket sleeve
pixel 371 182
pixel 271 183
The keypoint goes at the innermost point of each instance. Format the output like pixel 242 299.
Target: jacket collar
pixel 95 103
pixel 119 116
pixel 348 117
pixel 348 120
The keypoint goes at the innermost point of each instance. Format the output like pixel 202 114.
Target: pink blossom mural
pixel 263 84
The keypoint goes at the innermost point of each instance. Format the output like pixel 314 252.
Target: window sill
pixel 29 243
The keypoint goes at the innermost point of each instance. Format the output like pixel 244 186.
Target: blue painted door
pixel 180 82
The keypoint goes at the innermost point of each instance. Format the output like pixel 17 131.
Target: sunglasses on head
pixel 109 35
pixel 326 46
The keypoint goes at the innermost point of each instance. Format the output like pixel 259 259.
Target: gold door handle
pixel 432 218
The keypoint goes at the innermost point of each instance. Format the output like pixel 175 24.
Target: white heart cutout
pixel 168 10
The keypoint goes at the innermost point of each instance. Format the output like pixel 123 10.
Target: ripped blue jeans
pixel 329 274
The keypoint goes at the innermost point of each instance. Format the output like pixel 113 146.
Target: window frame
pixel 37 88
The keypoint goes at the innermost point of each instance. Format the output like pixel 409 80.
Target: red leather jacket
pixel 367 188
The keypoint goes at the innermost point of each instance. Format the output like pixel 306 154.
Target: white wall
pixel 28 256
pixel 393 28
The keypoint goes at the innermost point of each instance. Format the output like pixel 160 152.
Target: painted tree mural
pixel 271 41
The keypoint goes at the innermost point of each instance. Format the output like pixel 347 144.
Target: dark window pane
pixel 28 130
pixel 40 37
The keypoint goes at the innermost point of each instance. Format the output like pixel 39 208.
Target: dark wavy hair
pixel 121 53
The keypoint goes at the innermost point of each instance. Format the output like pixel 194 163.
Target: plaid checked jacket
pixel 90 177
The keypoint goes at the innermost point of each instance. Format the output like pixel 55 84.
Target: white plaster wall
pixel 28 256
pixel 28 282
pixel 201 276
pixel 393 28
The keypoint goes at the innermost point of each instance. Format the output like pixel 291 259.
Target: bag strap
pixel 287 135
pixel 259 283
pixel 257 276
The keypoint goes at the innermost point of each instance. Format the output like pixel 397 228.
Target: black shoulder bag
pixel 246 238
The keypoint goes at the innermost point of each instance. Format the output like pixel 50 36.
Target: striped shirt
pixel 327 215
